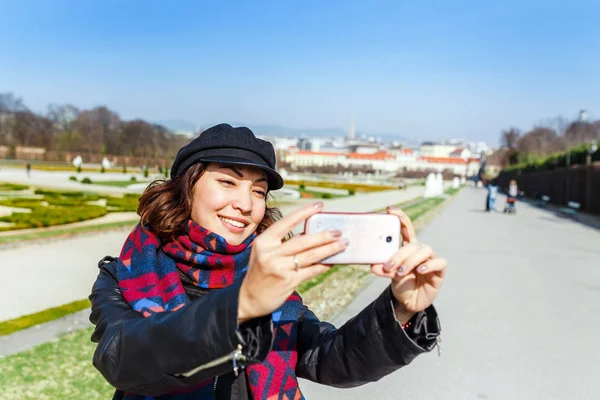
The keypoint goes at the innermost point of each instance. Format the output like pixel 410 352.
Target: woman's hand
pixel 416 273
pixel 276 268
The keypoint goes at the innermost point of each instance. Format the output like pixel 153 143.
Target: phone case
pixel 373 238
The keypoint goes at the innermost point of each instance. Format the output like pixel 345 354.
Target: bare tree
pixel 64 120
pixel 540 141
pixel 510 138
pixel 579 133
pixel 100 129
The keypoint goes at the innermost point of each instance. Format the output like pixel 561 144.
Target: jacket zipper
pixel 234 357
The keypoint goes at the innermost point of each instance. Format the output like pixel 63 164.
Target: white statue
pixel 430 186
pixel 455 182
pixel 105 163
pixel 439 184
pixel 77 161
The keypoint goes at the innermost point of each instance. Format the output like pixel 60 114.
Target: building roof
pixel 380 155
pixel 448 160
pixel 318 153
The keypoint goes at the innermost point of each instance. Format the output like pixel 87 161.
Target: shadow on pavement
pixel 589 220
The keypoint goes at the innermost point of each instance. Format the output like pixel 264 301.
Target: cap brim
pixel 274 179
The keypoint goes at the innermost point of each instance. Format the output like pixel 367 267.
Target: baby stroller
pixel 510 205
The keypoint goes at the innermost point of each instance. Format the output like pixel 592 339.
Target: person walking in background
pixel 28 169
pixel 492 193
pixel 513 192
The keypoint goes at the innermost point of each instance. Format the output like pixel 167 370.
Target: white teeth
pixel 233 222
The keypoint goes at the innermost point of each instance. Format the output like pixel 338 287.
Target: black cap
pixel 226 144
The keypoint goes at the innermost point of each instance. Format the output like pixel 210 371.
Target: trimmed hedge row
pixel 578 156
pixel 12 186
pixel 128 202
pixel 58 208
pixel 356 187
pixel 41 216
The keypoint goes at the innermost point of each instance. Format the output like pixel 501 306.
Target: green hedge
pixel 11 186
pixel 21 203
pixel 578 156
pixel 357 187
pixel 128 202
pixel 41 216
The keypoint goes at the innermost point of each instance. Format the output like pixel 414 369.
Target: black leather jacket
pixel 171 351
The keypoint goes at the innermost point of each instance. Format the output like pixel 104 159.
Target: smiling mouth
pixel 237 224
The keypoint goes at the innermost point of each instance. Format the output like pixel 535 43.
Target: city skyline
pixel 422 72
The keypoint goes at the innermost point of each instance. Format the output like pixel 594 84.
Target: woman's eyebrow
pixel 240 174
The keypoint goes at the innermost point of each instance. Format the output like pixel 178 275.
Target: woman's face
pixel 230 200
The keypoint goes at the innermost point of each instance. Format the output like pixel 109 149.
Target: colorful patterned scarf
pixel 148 275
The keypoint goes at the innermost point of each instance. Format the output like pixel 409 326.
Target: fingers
pixel 404 260
pixel 415 259
pixel 407 229
pixel 301 243
pixel 433 265
pixel 310 272
pixel 317 254
pixel 286 224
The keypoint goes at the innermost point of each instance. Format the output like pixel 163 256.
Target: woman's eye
pixel 261 193
pixel 226 182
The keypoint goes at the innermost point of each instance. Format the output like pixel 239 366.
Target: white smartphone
pixel 373 238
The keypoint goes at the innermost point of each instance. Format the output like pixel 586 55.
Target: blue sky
pixel 421 69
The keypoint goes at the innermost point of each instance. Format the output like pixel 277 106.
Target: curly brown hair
pixel 166 205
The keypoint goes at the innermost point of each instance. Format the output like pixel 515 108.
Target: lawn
pixel 53 207
pixel 61 369
pixel 115 183
pixel 313 194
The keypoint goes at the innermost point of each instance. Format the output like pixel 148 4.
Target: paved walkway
pixel 519 311
pixel 44 275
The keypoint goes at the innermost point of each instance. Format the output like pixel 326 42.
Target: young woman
pixel 201 303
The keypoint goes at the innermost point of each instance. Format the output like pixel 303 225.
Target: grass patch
pixel 61 369
pixel 129 202
pixel 60 213
pixel 66 231
pixel 357 187
pixel 313 194
pixel 114 183
pixel 11 186
pixel 27 321
pixel 53 207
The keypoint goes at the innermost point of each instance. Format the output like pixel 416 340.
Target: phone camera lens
pixel 388 239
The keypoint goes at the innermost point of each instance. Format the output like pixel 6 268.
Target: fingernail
pixel 318 204
pixel 345 242
pixel 401 270
pixel 422 268
pixel 388 265
pixel 336 233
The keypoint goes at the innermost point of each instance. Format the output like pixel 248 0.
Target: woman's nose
pixel 243 203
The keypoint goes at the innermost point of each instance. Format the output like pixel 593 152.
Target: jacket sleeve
pixel 148 356
pixel 366 348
